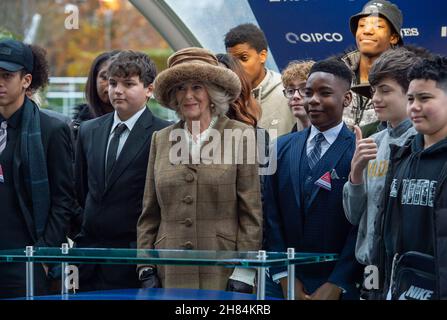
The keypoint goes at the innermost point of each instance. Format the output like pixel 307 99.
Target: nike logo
pixel 416 293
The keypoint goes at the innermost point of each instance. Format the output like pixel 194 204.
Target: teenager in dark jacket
pixel 416 197
pixel 364 189
pixel 111 162
pixel 98 104
pixel 36 189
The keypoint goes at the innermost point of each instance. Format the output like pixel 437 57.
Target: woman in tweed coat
pixel 198 199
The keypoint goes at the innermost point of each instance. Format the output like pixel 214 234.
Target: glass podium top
pixel 164 257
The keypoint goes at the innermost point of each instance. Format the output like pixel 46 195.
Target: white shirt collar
pixel 330 135
pixel 130 123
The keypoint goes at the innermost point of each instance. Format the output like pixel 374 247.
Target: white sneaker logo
pixel 416 293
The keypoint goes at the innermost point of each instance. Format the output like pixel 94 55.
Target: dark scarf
pixel 34 165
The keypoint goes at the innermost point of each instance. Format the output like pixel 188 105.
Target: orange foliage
pixel 71 52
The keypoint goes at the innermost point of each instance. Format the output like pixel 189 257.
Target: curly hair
pixel 296 70
pixel 246 33
pixel 434 68
pixel 245 109
pixel 40 73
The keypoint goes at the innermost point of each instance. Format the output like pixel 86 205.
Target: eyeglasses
pixel 290 92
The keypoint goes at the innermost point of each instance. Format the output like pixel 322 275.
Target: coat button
pixel 188 245
pixel 188 222
pixel 189 177
pixel 188 199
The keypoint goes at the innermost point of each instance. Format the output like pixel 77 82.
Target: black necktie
pixel 113 148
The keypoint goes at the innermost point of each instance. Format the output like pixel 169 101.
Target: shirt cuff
pixel 356 185
pixel 279 276
pixel 244 275
pixel 343 291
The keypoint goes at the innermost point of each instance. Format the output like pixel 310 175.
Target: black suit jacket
pixel 111 208
pixel 58 150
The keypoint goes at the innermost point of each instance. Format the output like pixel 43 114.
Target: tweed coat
pixel 200 207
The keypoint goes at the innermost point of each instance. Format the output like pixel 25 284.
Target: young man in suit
pixel 111 162
pixel 303 199
pixel 36 177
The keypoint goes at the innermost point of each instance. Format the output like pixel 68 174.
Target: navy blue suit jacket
pixel 318 223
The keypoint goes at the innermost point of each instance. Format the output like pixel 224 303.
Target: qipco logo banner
pixel 317 37
pixel 317 29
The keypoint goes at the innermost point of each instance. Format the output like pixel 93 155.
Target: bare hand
pixel 366 149
pixel 300 293
pixel 328 291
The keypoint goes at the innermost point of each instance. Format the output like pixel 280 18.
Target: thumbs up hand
pixel 358 134
pixel 366 149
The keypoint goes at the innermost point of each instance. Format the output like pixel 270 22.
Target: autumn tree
pixel 71 51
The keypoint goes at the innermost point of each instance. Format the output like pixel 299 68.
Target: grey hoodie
pixel 362 201
pixel 276 113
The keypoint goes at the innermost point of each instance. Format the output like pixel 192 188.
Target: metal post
pixel 290 275
pixel 262 255
pixel 29 273
pixel 64 290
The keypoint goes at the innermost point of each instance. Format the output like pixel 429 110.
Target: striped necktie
pixel 315 153
pixel 3 132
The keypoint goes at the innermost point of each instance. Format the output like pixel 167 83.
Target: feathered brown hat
pixel 194 64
